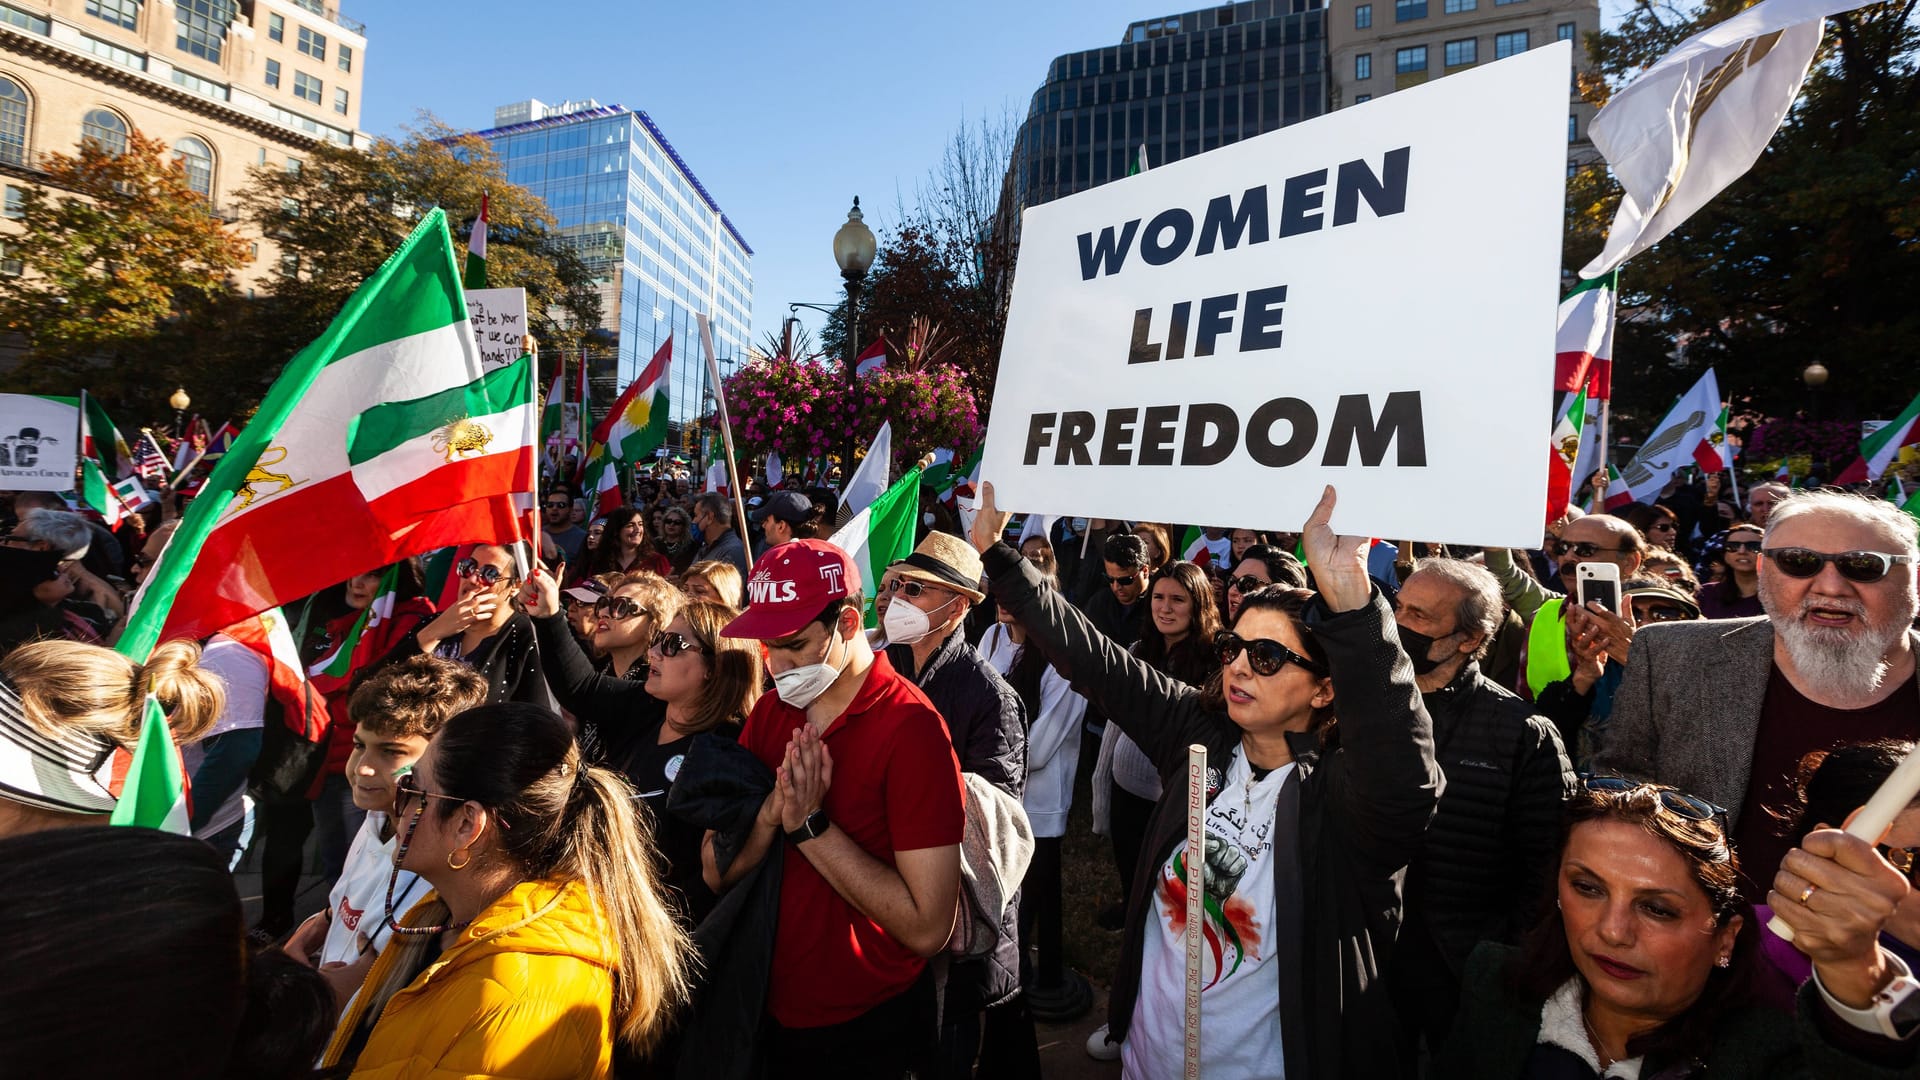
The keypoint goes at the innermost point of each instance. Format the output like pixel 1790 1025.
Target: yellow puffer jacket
pixel 526 994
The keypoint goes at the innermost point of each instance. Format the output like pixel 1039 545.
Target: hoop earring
pixel 463 864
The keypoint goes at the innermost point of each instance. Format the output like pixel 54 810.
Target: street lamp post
pixel 853 250
pixel 1815 376
pixel 180 401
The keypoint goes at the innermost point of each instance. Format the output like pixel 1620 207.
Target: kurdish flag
pixel 1878 450
pixel 476 272
pixel 632 430
pixel 155 795
pixel 881 534
pixel 1583 343
pixel 1564 452
pixel 384 438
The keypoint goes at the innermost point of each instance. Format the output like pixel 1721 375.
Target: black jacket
pixel 1357 807
pixel 509 661
pixel 988 725
pixel 1495 841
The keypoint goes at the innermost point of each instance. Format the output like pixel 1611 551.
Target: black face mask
pixel 1419 648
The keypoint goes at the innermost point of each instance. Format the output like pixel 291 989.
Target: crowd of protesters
pixel 677 794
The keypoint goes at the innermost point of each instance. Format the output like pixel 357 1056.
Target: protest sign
pixel 1366 299
pixel 499 318
pixel 39 443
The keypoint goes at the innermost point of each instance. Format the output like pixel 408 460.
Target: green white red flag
pixel 1565 453
pixel 631 431
pixel 1583 342
pixel 384 438
pixel 154 795
pixel 551 426
pixel 115 499
pixel 270 636
pixel 1882 448
pixel 872 359
pixel 101 440
pixel 881 534
pixel 476 271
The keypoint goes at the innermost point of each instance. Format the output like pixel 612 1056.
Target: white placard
pixel 1366 300
pixel 39 443
pixel 499 318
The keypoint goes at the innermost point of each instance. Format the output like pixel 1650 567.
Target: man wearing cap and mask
pixel 932 591
pixel 783 518
pixel 1495 839
pixel 868 798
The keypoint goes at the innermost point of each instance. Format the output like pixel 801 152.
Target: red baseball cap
pixel 790 586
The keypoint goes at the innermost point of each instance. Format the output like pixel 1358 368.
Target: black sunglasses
pixel 1581 549
pixel 1663 613
pixel 616 607
pixel 1678 803
pixel 1128 580
pixel 671 643
pixel 1264 655
pixel 471 568
pixel 1749 546
pixel 1247 583
pixel 1865 567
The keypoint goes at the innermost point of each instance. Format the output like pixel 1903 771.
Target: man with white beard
pixel 1725 709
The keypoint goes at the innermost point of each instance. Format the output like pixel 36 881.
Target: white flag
pixel 1692 420
pixel 1698 119
pixel 775 472
pixel 870 479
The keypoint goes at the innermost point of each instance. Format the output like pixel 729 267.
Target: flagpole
pixel 1606 455
pixel 726 431
pixel 80 442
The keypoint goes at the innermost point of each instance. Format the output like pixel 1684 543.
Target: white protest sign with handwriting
pixel 1365 299
pixel 499 318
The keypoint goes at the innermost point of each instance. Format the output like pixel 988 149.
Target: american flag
pixel 149 461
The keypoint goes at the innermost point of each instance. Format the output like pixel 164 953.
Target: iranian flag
pixel 384 438
pixel 101 440
pixel 873 359
pixel 1713 455
pixel 1583 344
pixel 1564 452
pixel 155 793
pixel 1198 549
pixel 476 272
pixel 1618 497
pixel 1878 450
pixel 632 430
pixel 881 534
pixel 551 426
pixel 270 636
pixel 115 499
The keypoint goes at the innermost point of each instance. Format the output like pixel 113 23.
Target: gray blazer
pixel 1688 707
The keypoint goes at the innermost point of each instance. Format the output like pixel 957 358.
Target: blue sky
pixel 784 111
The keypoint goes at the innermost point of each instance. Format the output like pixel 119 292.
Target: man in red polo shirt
pixel 869 797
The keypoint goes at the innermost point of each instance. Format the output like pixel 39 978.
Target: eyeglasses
pixel 472 570
pixel 1581 549
pixel 915 589
pixel 1660 613
pixel 407 785
pixel 617 607
pixel 559 506
pixel 1663 526
pixel 1264 655
pixel 1751 547
pixel 1678 803
pixel 1128 580
pixel 1865 567
pixel 1901 858
pixel 671 643
pixel 1247 583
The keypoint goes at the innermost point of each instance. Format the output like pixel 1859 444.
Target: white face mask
pixel 906 624
pixel 802 686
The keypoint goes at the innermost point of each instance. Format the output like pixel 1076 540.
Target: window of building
pixel 273 73
pixel 346 58
pixel 1455 7
pixel 1406 10
pixel 1362 99
pixel 1363 66
pixel 306 87
pixel 312 44
pixel 1509 44
pixel 293 166
pixel 196 160
pixel 1564 32
pixel 1363 16
pixel 1464 51
pixel 13 123
pixel 25 20
pixel 121 13
pixel 106 130
pixel 1410 60
pixel 1573 127
pixel 340 100
pixel 263 155
pixel 15 204
pixel 276 28
pixel 201 26
pixel 1503 3
pixel 10 266
pixel 107 50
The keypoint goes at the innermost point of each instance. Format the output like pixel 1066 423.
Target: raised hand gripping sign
pixel 1366 299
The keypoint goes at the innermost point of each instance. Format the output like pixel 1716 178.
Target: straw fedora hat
pixel 945 560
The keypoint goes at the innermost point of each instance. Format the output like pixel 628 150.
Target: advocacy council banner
pixel 39 443
pixel 1365 299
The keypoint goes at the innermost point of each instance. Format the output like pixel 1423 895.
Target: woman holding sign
pixel 1310 821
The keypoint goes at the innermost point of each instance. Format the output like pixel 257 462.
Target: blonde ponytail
pixel 68 685
pixel 193 697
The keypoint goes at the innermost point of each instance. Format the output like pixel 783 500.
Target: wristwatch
pixel 810 829
pixel 1895 1011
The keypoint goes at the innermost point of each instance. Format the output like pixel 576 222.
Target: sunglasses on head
pixel 1581 549
pixel 473 570
pixel 1678 803
pixel 1247 583
pixel 1264 655
pixel 671 643
pixel 1752 547
pixel 1865 567
pixel 616 607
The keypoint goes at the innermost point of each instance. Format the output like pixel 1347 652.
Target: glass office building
pixel 1179 85
pixel 657 242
